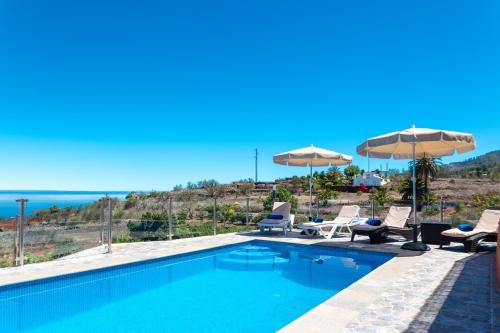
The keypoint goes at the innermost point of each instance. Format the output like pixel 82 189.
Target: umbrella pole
pixel 414 195
pixel 415 245
pixel 310 189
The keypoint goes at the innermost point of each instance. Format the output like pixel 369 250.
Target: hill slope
pixel 488 164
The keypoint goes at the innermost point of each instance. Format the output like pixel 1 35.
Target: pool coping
pixel 334 314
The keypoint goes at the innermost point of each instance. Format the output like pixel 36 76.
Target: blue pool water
pixel 256 286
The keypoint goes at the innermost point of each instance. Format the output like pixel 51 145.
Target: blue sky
pixel 123 95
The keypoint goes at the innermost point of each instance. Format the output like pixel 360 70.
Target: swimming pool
pixel 256 286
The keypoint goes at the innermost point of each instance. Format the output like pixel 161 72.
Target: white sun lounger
pixel 348 217
pixel 279 208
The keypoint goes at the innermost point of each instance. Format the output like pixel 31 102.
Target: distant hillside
pixel 480 166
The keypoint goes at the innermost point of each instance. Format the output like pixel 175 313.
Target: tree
pixel 352 171
pixel 214 189
pixel 325 195
pixel 380 195
pixel 426 168
pixel 245 189
pixel 188 199
pixel 282 195
pixel 296 184
pixel 329 179
pixel 228 212
pixel 405 188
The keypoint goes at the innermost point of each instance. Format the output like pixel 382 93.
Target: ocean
pixel 45 199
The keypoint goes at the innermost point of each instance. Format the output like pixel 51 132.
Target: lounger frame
pixel 471 243
pixel 379 234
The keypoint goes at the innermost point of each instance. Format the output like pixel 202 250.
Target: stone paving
pixel 436 295
pixel 439 291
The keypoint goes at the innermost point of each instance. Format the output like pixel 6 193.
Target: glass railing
pixel 49 237
pixel 51 240
pixel 7 242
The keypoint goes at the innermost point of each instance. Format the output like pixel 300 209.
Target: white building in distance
pixel 369 179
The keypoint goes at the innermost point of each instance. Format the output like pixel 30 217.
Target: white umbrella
pixel 311 156
pixel 415 143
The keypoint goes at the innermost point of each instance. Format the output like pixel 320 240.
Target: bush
pixel 282 195
pixel 258 217
pixel 149 223
pixel 326 194
pixel 124 237
pixel 483 201
pixel 300 219
pixel 428 211
pixel 380 195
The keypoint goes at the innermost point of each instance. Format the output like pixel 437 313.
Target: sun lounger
pixel 347 218
pixel 394 223
pixel 286 222
pixel 485 229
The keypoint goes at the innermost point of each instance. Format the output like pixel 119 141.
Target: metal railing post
pixel 214 217
pixel 101 219
pixel 441 208
pixel 247 213
pixel 373 209
pixel 110 208
pixel 22 203
pixel 170 218
pixel 16 239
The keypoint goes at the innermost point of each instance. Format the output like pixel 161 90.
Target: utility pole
pixel 256 163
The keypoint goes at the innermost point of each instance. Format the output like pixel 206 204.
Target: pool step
pixel 235 263
pixel 253 255
pixel 254 248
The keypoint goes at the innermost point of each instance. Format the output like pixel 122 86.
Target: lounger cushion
pixel 275 217
pixel 342 220
pixel 489 220
pixel 367 227
pixel 455 232
pixel 315 224
pixel 269 221
pixel 349 211
pixel 317 219
pixel 465 227
pixel 397 216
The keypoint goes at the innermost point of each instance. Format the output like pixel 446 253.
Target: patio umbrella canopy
pixel 414 143
pixel 312 157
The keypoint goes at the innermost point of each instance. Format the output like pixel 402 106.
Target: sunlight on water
pixel 251 287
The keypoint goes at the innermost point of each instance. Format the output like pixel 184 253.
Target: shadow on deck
pixel 466 301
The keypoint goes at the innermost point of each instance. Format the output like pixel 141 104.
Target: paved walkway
pixel 437 295
pixel 438 291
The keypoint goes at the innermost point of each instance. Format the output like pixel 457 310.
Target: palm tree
pixel 427 168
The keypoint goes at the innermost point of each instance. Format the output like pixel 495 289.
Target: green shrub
pixel 300 219
pixel 124 237
pixel 282 195
pixel 428 211
pixel 149 223
pixel 483 201
pixel 380 195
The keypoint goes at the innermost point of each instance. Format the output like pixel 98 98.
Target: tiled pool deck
pixel 437 291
